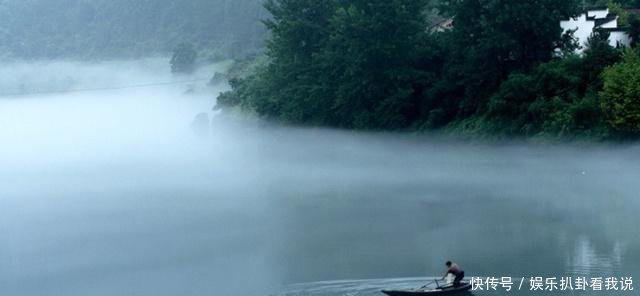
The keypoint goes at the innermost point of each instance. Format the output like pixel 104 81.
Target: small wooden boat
pixel 445 290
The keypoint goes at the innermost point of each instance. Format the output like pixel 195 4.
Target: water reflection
pixel 586 260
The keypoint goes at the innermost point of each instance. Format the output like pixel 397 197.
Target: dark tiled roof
pixel 601 21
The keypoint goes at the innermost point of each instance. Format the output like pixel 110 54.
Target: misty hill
pixel 124 28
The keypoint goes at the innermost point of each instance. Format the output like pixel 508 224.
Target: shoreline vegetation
pixel 505 70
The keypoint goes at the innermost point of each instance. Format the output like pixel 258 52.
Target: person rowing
pixel 428 290
pixel 453 268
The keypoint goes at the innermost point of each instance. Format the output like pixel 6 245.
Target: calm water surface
pixel 112 193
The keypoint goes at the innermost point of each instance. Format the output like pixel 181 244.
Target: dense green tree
pixel 609 3
pixel 557 98
pixel 621 94
pixel 634 29
pixel 505 68
pixel 338 63
pixel 549 101
pixel 568 44
pixel 493 38
pixel 289 87
pixel 598 55
pixel 370 61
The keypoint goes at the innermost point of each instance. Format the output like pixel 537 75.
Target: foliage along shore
pixel 505 70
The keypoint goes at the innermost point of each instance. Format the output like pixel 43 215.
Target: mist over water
pixel 113 192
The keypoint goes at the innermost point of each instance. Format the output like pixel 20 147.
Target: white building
pixel 442 25
pixel 592 19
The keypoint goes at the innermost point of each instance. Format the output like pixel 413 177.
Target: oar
pixel 436 281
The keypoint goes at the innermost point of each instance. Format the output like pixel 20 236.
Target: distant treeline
pixel 128 28
pixel 505 69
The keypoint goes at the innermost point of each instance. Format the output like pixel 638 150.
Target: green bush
pixel 621 94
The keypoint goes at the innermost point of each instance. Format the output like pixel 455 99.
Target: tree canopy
pixel 621 94
pixel 505 68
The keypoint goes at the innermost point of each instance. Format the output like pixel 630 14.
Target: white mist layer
pixel 114 193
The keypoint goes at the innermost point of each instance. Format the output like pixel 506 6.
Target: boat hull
pixel 443 291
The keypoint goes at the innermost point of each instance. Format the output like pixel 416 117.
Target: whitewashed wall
pixel 584 26
pixel 618 37
pixel 610 25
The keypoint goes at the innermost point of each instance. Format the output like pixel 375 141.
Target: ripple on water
pixel 353 287
pixel 586 260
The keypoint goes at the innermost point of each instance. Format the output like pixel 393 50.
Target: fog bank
pixel 113 192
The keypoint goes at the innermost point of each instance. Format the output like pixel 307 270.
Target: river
pixel 111 192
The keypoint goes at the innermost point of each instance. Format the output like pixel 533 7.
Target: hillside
pixel 127 28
